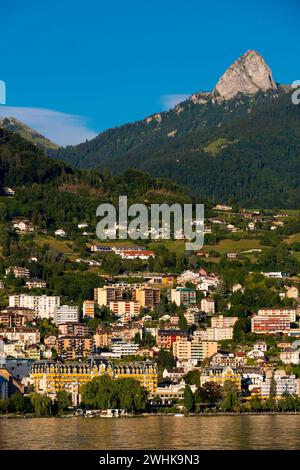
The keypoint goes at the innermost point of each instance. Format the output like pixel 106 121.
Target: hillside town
pixel 214 336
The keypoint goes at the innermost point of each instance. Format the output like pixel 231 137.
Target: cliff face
pixel 248 75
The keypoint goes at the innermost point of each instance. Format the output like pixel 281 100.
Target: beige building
pixel 104 295
pixel 215 334
pixel 147 297
pixel 102 338
pixel 223 322
pixel 220 375
pixel 292 292
pixel 182 349
pixel 127 308
pixel 195 350
pixel 208 305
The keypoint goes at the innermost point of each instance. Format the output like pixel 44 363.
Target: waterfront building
pixel 9 384
pixel 169 393
pixel 49 377
pixel 220 375
pixel 284 384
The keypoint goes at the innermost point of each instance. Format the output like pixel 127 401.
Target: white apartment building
pixel 43 305
pixel 26 336
pixel 125 349
pixel 290 356
pixel 18 271
pixel 284 384
pixel 215 334
pixel 66 314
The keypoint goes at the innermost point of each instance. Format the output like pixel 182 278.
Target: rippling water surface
pixel 157 432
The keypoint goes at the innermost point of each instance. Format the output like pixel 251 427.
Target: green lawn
pixel 225 246
pixel 174 246
pixel 62 246
pixel 217 145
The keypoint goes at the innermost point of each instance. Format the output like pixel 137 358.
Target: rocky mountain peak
pixel 248 75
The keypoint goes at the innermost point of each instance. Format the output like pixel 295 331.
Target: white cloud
pixel 61 128
pixel 169 101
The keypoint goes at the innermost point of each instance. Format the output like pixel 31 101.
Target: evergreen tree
pixel 188 399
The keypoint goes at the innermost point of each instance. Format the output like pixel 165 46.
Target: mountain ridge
pixel 15 125
pixel 241 141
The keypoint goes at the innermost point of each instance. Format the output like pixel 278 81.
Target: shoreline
pixel 147 415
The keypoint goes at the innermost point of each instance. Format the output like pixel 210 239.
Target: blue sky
pixel 75 68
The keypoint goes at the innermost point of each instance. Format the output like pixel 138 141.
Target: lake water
pixel 153 432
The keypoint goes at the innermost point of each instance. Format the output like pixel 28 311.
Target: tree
pixel 270 404
pixel 192 377
pixel 18 403
pixel 272 393
pixel 4 406
pixel 104 393
pixel 64 401
pixel 209 393
pixel 182 322
pixel 42 404
pixel 256 404
pixel 165 359
pixel 131 396
pixel 231 401
pixel 188 399
pixel 240 329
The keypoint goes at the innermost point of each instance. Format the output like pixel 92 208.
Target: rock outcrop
pixel 248 75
